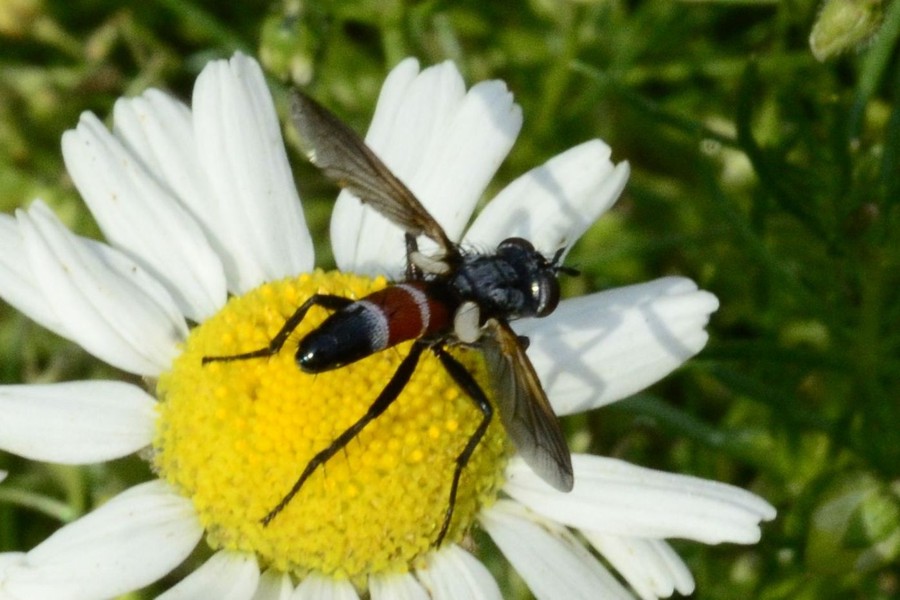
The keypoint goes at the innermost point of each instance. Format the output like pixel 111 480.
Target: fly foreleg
pixel 387 396
pixel 328 301
pixel 463 379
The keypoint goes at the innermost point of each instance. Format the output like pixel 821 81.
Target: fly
pixel 453 298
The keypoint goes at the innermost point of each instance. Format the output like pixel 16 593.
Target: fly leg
pixel 463 379
pixel 419 265
pixel 328 301
pixel 387 396
pixel 413 272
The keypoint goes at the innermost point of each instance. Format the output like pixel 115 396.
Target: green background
pixel 769 177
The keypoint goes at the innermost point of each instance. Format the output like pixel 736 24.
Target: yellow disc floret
pixel 235 436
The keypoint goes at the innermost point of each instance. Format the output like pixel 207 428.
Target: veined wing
pixel 524 409
pixel 344 157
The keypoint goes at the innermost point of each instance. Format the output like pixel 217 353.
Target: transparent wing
pixel 344 157
pixel 524 408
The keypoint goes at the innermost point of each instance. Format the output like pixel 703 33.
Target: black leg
pixel 324 300
pixel 463 379
pixel 387 396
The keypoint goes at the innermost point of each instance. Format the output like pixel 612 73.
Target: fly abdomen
pixel 380 320
pixel 344 337
pixel 411 310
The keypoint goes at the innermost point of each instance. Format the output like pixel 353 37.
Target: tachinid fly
pixel 448 299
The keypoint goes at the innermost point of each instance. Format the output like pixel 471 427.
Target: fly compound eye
pixel 546 292
pixel 516 242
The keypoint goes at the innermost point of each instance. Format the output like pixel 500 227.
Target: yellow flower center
pixel 235 437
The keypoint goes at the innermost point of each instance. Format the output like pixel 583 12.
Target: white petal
pixel 454 574
pixel 3 475
pixel 110 306
pixel 348 218
pixel 157 128
pixel 18 285
pixel 129 542
pixel 463 157
pixel 396 586
pixel 651 567
pixel 160 130
pixel 551 561
pixel 274 586
pixel 318 587
pixel 600 348
pixel 444 143
pixel 225 576
pixel 80 422
pixel 390 99
pixel 552 205
pixel 10 561
pixel 239 143
pixel 399 134
pixel 140 216
pixel 615 497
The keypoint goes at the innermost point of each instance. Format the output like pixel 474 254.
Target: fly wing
pixel 524 408
pixel 345 158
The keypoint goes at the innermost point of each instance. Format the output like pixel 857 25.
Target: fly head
pixel 537 276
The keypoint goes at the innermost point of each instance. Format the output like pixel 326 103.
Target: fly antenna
pixel 559 268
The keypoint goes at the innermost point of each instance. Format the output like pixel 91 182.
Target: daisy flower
pixel 197 206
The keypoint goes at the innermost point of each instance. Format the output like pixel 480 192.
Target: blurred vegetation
pixel 769 176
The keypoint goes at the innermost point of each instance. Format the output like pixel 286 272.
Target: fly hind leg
pixel 328 301
pixel 387 396
pixel 463 379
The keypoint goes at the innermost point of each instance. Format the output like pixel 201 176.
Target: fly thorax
pixel 516 281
